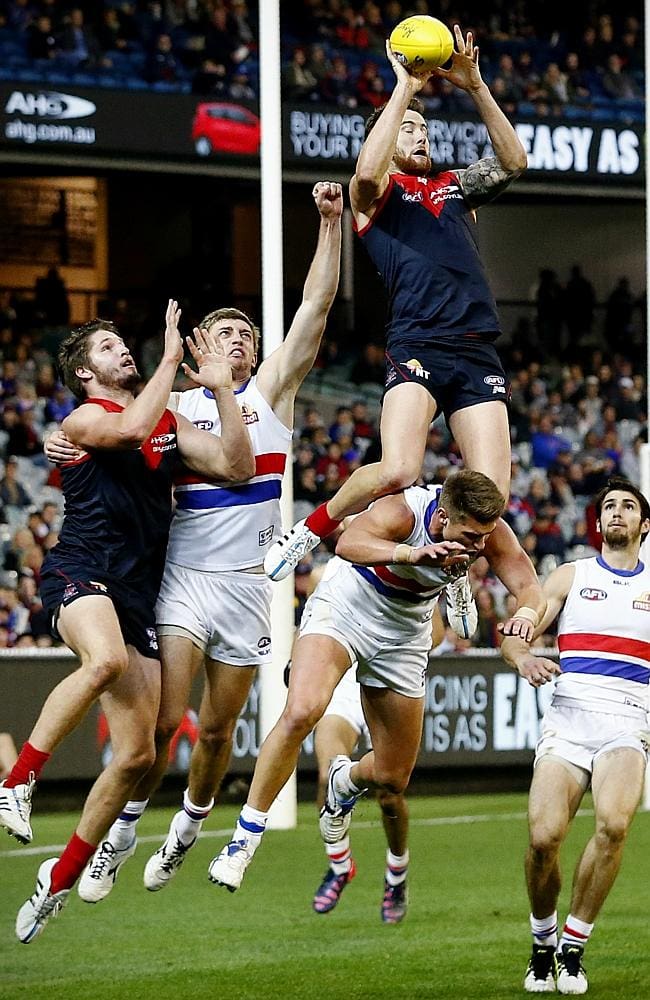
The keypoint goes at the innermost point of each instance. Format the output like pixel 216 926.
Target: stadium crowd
pixel 582 60
pixel 578 414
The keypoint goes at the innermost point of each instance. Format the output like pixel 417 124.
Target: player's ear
pixel 598 527
pixel 83 374
pixel 443 515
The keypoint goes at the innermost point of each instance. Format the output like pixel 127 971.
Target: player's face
pixel 620 519
pixel 110 361
pixel 470 533
pixel 411 154
pixel 238 342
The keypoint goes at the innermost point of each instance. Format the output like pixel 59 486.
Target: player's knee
pixel 166 726
pixel 105 670
pixel 389 801
pixel 396 476
pixel 391 779
pixel 134 761
pixel 215 736
pixel 612 831
pixel 545 842
pixel 299 718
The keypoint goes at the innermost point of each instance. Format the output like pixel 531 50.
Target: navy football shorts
pixel 457 374
pixel 135 611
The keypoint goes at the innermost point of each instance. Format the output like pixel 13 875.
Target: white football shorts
pixel 581 736
pixel 226 614
pixel 382 662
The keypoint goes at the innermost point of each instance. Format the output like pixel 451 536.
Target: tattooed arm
pixel 486 179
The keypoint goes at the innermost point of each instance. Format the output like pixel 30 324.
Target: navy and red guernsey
pixel 118 507
pixel 422 241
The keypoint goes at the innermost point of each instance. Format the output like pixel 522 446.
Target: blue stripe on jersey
pixel 386 591
pixel 236 496
pixel 609 668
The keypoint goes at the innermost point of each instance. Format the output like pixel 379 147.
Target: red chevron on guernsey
pixel 582 642
pixel 272 463
pixel 394 580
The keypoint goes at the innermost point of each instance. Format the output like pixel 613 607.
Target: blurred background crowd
pixel 583 59
pixel 578 414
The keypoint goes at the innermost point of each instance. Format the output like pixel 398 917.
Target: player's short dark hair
pixel 471 494
pixel 228 312
pixel 625 486
pixel 371 120
pixel 73 353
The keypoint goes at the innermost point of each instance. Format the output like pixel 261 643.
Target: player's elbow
pixel 240 467
pixel 130 435
pixel 517 162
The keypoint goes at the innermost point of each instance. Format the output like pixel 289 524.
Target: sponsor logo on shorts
pixel 264 644
pixel 642 602
pixel 163 442
pixel 266 535
pixel 392 375
pixel 593 594
pixel 70 592
pixel 249 415
pixel 98 586
pixel 153 638
pixel 204 425
pixel 415 368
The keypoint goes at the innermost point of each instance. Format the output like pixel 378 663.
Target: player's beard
pixel 411 165
pixel 619 537
pixel 123 378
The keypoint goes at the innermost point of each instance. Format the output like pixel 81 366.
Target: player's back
pixel 422 241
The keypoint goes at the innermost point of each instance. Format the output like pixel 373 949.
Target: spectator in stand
pixel 370 89
pixel 298 81
pixel 487 635
pixel 370 367
pixel 209 81
pixel 577 82
pixel 59 405
pixel 375 28
pixel 240 87
pixel 110 35
pixel 41 43
pixel 546 443
pixel 337 87
pixel 351 30
pixel 318 64
pixel 78 42
pixel 617 83
pixel 343 424
pixel 220 44
pixel 554 86
pixel 12 491
pixel 579 304
pixel 162 65
pixel 23 436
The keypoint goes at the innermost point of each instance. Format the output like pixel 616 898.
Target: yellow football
pixel 421 43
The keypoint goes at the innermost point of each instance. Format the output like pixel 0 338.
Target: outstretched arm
pixel 487 178
pixel 281 374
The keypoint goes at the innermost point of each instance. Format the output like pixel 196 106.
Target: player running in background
pixel 376 609
pixel 420 233
pixel 595 732
pixel 99 583
pixel 214 607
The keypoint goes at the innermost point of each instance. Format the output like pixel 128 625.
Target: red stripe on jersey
pixel 583 641
pixel 272 462
pixel 398 581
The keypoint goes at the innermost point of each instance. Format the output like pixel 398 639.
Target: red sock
pixel 72 862
pixel 30 760
pixel 320 522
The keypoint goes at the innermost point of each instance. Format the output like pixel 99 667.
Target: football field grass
pixel 465 936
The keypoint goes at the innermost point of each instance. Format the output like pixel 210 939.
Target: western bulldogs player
pixel 594 733
pixel 419 232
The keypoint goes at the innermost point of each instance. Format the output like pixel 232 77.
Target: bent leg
pixel 407 411
pixel 395 724
pixel 617 785
pixel 482 433
pixel 318 664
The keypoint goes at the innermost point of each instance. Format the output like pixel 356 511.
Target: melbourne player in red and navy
pixel 419 231
pixel 101 581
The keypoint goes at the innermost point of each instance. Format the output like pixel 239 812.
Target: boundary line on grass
pixel 27 852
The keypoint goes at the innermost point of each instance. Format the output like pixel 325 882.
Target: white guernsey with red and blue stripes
pixel 398 599
pixel 604 639
pixel 225 527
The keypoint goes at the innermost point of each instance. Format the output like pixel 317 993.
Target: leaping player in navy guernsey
pixel 101 581
pixel 419 230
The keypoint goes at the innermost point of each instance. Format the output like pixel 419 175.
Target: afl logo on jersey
pixel 249 415
pixel 593 594
pixel 642 602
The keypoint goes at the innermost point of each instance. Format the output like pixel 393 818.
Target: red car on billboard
pixel 225 128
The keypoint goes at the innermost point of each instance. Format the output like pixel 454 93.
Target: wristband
pixel 402 553
pixel 529 614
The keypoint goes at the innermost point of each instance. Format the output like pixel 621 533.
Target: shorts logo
pixel 392 375
pixel 249 415
pixel 153 638
pixel 264 645
pixel 642 602
pixel 494 380
pixel 593 594
pixel 415 368
pixel 204 425
pixel 98 586
pixel 266 535
pixel 70 592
